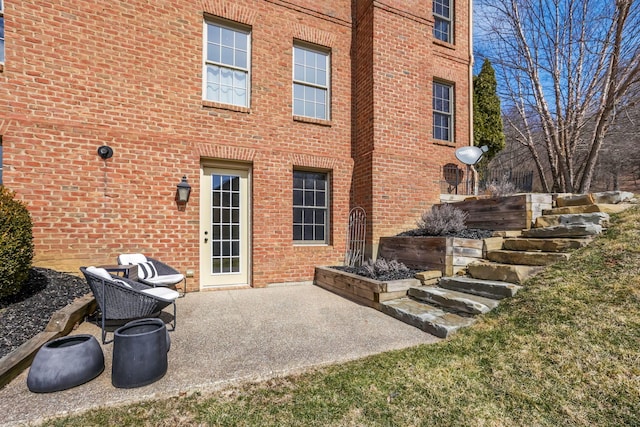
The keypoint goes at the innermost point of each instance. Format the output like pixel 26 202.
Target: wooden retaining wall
pixel 447 254
pixel 517 212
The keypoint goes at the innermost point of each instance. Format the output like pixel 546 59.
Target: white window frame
pixel 236 28
pixel 448 114
pixel 311 86
pixel 3 35
pixel 447 19
pixel 301 210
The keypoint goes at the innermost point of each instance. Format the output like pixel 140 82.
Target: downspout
pixel 471 59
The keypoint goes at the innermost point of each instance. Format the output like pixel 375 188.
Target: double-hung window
pixel 310 82
pixel 442 16
pixel 1 31
pixel 226 64
pixel 443 111
pixel 310 207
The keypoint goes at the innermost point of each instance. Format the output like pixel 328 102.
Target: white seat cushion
pixel 164 280
pixel 130 259
pixel 100 272
pixel 162 293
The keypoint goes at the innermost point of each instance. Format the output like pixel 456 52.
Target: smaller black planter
pixel 139 353
pixel 64 363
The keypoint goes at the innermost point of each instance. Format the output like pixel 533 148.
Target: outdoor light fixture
pixel 105 152
pixel 183 192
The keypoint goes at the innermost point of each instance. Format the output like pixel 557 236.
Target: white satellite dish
pixel 470 155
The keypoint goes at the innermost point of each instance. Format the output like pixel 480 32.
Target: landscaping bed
pixel 24 315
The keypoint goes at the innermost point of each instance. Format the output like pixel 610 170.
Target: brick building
pixel 281 114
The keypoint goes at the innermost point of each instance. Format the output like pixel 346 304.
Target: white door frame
pixel 230 232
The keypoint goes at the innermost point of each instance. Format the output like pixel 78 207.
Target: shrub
pixel 442 220
pixel 502 187
pixel 16 243
pixel 381 267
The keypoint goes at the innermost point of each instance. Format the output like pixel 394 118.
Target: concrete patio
pixel 229 337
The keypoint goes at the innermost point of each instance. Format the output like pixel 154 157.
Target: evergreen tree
pixel 487 119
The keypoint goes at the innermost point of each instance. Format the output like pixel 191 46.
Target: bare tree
pixel 565 68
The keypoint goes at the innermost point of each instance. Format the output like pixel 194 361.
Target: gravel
pixel 24 315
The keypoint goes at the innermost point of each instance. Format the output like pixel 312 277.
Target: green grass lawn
pixel 564 352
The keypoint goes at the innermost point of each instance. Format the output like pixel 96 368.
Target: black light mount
pixel 105 152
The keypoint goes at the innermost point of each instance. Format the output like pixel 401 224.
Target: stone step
pixel 565 200
pixel 397 289
pixel 454 300
pixel 486 288
pixel 605 197
pixel 545 245
pixel 425 317
pixel 612 197
pixel 600 207
pixel 598 218
pixel 526 258
pixel 502 272
pixel 563 230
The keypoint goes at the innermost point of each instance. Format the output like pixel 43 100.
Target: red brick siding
pixel 398 177
pixel 80 74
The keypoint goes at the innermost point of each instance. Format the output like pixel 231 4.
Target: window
pixel 442 18
pixel 1 31
pixel 310 207
pixel 310 83
pixel 226 64
pixel 442 111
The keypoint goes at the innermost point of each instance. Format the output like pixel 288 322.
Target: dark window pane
pixel 298 198
pixel 297 232
pixel 308 198
pixel 308 232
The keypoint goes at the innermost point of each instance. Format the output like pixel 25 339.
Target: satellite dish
pixel 470 155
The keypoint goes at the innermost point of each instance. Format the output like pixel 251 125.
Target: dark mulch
pixel 24 315
pixel 385 277
pixel 469 233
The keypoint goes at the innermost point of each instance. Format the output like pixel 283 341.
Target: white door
pixel 224 227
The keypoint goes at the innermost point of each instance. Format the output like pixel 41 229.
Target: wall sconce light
pixel 183 192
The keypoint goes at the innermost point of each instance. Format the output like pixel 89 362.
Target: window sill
pixel 312 121
pixel 444 143
pixel 229 107
pixel 444 44
pixel 297 244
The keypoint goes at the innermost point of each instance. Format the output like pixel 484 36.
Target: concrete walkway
pixel 229 337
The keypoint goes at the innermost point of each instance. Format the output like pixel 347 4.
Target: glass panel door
pixel 224 224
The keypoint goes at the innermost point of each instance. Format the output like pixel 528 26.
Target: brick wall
pixel 80 74
pixel 398 159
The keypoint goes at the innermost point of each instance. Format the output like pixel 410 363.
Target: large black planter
pixel 64 363
pixel 139 353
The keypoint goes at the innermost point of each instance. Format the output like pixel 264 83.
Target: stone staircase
pixel 443 305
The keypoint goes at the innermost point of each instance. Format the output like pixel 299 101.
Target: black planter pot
pixel 65 363
pixel 133 322
pixel 139 353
